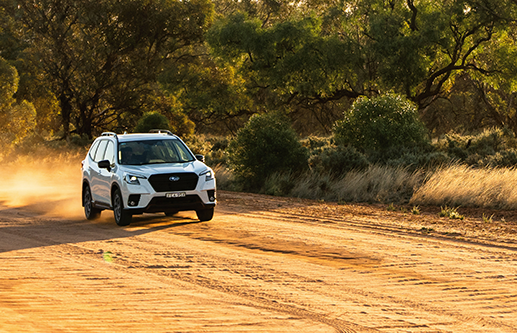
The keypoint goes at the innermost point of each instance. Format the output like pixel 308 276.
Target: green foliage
pixel 381 123
pixel 213 148
pixel 287 63
pixel 490 148
pixel 152 120
pixel 80 140
pixel 337 160
pixel 451 213
pixel 265 145
pixel 317 53
pixel 17 119
pixel 91 66
pixel 424 157
pixel 180 123
pixel 488 219
pixel 99 61
pixel 280 184
pixel 8 81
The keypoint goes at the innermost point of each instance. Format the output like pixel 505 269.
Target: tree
pixel 290 64
pixel 101 62
pixel 17 120
pixel 421 46
pixel 347 49
pixel 214 97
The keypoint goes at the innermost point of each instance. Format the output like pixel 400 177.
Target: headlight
pixel 209 175
pixel 133 179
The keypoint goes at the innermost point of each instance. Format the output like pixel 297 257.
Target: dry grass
pixel 380 184
pixel 225 178
pixel 460 185
pixel 376 184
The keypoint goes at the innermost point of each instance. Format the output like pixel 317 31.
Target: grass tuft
pixel 451 213
pixel 488 219
pixel 469 187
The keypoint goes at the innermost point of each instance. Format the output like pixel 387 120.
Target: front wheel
pixel 205 214
pixel 122 216
pixel 90 212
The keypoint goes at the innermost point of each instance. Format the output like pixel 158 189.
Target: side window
pixel 93 149
pixel 110 153
pixel 100 151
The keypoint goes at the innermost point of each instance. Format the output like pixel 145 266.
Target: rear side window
pixel 99 154
pixel 93 149
pixel 110 153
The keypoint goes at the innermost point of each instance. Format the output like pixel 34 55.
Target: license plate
pixel 176 195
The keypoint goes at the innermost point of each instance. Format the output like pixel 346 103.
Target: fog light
pixel 133 200
pixel 211 195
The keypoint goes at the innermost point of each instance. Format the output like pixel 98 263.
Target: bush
pixel 213 148
pixel 337 160
pixel 493 147
pixel 380 123
pixel 413 158
pixel 265 145
pixel 152 120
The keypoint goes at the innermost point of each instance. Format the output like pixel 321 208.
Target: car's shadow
pixel 21 228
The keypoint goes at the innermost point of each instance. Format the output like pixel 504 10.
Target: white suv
pixel 145 173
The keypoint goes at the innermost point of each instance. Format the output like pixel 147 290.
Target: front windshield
pixel 153 151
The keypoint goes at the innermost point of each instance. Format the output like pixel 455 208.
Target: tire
pixel 122 216
pixel 90 212
pixel 205 214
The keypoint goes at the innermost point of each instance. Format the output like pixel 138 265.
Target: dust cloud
pixel 49 185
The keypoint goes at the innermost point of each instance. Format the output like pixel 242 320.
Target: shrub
pixel 337 160
pixel 213 148
pixel 413 158
pixel 494 147
pixel 217 154
pixel 265 145
pixel 152 120
pixel 380 123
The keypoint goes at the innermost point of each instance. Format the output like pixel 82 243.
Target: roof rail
pixel 111 134
pixel 159 131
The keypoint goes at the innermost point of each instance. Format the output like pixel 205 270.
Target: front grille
pixel 180 182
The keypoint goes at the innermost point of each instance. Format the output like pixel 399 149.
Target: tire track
pixel 279 270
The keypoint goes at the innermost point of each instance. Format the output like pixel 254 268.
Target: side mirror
pixel 200 158
pixel 105 164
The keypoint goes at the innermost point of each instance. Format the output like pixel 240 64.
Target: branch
pixel 414 11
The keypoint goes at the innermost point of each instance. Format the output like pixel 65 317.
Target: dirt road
pixel 263 264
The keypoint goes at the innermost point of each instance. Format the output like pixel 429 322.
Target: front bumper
pixel 170 205
pixel 142 198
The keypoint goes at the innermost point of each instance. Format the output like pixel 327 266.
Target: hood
pixel 151 169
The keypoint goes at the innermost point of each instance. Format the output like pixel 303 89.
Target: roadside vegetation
pixel 347 101
pixel 267 156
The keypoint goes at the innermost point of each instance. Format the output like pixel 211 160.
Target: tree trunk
pixel 66 111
